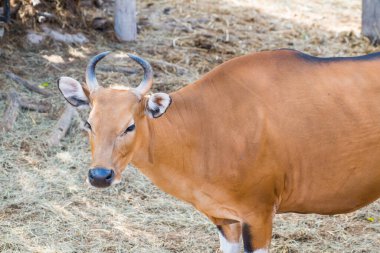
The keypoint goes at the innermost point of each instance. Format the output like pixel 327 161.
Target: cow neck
pixel 161 152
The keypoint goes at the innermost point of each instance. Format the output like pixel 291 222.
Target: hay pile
pixel 67 14
pixel 45 205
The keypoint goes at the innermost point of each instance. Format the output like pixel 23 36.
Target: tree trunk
pixel 371 20
pixel 125 20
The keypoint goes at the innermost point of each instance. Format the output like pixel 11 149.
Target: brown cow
pixel 270 132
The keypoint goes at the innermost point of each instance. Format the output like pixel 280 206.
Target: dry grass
pixel 45 205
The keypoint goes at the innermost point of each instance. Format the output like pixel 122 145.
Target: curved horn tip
pixel 102 55
pixel 133 57
pixel 141 61
pixel 106 52
pixel 90 70
pixel 147 81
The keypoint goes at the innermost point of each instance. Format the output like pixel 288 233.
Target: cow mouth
pixel 116 181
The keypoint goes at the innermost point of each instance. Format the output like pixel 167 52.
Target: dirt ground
pixel 45 204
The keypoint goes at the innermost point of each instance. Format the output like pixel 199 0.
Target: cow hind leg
pixel 230 237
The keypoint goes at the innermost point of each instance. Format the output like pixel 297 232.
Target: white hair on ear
pixel 157 104
pixel 72 90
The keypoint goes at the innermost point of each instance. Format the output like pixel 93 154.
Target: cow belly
pixel 347 198
pixel 338 185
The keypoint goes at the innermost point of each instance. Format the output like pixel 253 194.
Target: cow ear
pixel 157 104
pixel 72 91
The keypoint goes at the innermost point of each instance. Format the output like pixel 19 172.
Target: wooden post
pixel 7 12
pixel 125 20
pixel 371 20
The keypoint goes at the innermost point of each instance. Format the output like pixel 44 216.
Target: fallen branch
pixel 35 38
pixel 26 84
pixel 11 112
pixel 124 70
pixel 78 119
pixel 67 38
pixel 159 63
pixel 101 24
pixel 29 104
pixel 62 126
pixel 34 106
pixel 180 70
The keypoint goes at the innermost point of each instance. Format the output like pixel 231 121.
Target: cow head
pixel 117 121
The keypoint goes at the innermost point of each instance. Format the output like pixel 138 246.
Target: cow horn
pixel 147 82
pixel 91 81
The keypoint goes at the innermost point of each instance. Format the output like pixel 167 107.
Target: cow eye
pixel 130 128
pixel 87 126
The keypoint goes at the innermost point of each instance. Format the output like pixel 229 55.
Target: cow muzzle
pixel 101 177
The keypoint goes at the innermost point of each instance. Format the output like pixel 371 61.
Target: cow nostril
pixel 90 175
pixel 110 176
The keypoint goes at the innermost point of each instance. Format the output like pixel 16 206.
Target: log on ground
pixel 62 126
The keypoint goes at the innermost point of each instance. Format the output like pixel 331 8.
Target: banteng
pixel 270 132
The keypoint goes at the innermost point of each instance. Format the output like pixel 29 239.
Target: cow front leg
pixel 257 232
pixel 230 237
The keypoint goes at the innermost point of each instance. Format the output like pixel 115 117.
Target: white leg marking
pixel 228 247
pixel 261 251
